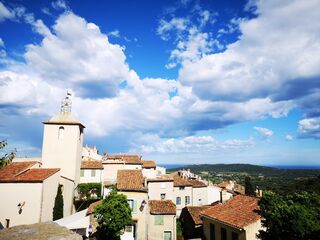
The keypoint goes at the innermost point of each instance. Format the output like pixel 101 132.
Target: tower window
pixel 61 133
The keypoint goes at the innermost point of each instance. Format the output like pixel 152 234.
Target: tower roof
pixel 64 118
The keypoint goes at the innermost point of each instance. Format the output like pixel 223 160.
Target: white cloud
pixel 257 65
pixel 309 128
pixel 190 144
pixel 1 43
pixel 59 4
pixel 265 132
pixel 77 53
pixel 175 24
pixel 6 13
pixel 114 33
pixel 288 137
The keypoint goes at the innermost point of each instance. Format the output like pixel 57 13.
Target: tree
pixel 112 216
pixel 58 204
pixel 290 217
pixel 5 158
pixel 249 190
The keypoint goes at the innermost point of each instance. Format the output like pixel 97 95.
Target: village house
pixel 91 171
pixel 191 222
pixel 182 193
pixel 161 220
pixel 131 183
pixel 160 188
pixel 237 219
pixel 27 193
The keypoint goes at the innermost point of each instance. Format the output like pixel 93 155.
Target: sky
pixel 179 82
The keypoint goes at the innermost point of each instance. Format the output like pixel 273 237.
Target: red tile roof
pixel 21 172
pixel 148 164
pixel 92 164
pixel 92 206
pixel 130 180
pixel 195 213
pixel 196 183
pixel 161 178
pixel 239 211
pixel 126 158
pixel 162 207
pixel 180 182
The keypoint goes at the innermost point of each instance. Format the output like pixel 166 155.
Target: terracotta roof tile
pixel 239 211
pixel 92 164
pixel 196 183
pixel 148 164
pixel 126 158
pixel 162 207
pixel 161 178
pixel 130 180
pixel 195 213
pixel 92 206
pixel 11 170
pixel 181 182
pixel 21 172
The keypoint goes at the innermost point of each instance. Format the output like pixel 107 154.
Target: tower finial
pixel 66 104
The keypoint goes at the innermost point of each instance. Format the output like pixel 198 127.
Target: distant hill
pixel 277 179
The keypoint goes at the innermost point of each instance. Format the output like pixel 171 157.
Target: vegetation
pixel 112 216
pixel 5 158
pixel 291 217
pixel 249 190
pixel 266 178
pixel 90 190
pixel 58 204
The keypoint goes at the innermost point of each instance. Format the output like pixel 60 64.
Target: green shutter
pixel 134 206
pixel 158 219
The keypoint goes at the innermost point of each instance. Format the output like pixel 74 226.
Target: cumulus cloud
pixel 5 13
pixel 288 137
pixel 59 4
pixel 265 132
pixel 274 57
pixel 191 144
pixel 309 128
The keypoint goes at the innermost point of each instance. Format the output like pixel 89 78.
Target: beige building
pixel 161 220
pixel 131 183
pixel 27 193
pixel 237 219
pixel 182 193
pixel 161 188
pixel 91 171
pixel 62 147
pixel 149 168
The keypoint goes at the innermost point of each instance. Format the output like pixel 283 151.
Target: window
pixel 212 232
pixel 223 234
pixel 133 205
pixel 128 228
pixel 234 236
pixel 81 173
pixel 163 196
pixel 61 133
pixel 93 173
pixel 167 235
pixel 181 188
pixel 178 200
pixel 158 219
pixel 187 200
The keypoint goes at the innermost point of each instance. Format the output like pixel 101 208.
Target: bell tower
pixel 62 148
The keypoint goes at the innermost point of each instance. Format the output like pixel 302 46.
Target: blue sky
pixel 175 81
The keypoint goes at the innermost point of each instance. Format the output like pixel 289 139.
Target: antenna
pixel 66 104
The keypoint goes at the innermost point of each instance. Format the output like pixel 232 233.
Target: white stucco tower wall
pixel 62 148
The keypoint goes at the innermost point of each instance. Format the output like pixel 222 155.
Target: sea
pixel 297 167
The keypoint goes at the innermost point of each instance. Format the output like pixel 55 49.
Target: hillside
pixel 280 180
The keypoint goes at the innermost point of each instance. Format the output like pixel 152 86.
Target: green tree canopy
pixel 249 189
pixel 112 215
pixel 290 217
pixel 5 157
